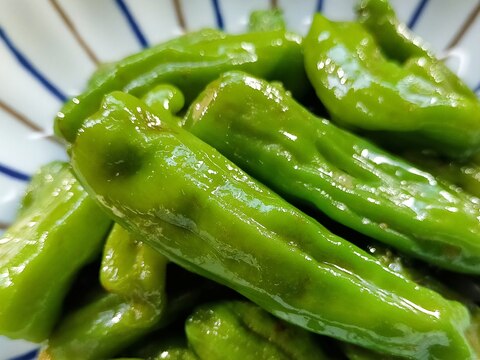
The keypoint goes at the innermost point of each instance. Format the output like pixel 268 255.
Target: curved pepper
pixel 400 44
pixel 166 101
pixel 309 159
pixel 190 62
pixel 200 210
pixel 165 98
pixel 134 277
pixel 135 303
pixel 414 103
pixel 59 229
pixel 244 331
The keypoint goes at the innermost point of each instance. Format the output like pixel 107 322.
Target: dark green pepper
pixel 414 103
pixel 309 159
pixel 190 62
pixel 59 229
pixel 200 210
pixel 244 331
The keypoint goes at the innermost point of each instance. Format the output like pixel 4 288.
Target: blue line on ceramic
pixel 28 356
pixel 218 14
pixel 417 13
pixel 132 23
pixel 477 88
pixel 28 65
pixel 319 6
pixel 13 173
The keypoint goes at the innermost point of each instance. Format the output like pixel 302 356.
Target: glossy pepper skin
pixel 190 62
pixel 244 331
pixel 164 98
pixel 58 230
pixel 266 20
pixel 401 44
pixel 464 174
pixel 201 211
pixel 416 102
pixel 421 276
pixel 166 101
pixel 134 277
pixel 266 132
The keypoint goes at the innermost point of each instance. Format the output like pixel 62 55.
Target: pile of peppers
pixel 257 196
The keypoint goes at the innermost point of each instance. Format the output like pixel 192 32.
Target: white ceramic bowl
pixel 48 48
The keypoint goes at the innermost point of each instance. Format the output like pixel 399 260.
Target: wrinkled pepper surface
pixel 266 132
pixel 400 44
pixel 200 210
pixel 190 62
pixel 58 230
pixel 414 101
pixel 421 276
pixel 464 174
pixel 134 277
pixel 244 331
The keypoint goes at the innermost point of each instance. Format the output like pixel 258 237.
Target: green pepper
pixel 170 343
pixel 244 331
pixel 99 329
pixel 201 211
pixel 464 174
pixel 165 97
pixel 266 20
pixel 420 275
pixel 166 101
pixel 354 352
pixel 308 159
pixel 417 102
pixel 134 278
pixel 400 44
pixel 190 62
pixel 59 229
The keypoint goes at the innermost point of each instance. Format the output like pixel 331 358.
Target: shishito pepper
pixel 266 132
pixel 412 101
pixel 166 101
pixel 244 331
pixel 400 44
pixel 200 210
pixel 59 229
pixel 133 303
pixel 169 344
pixel 266 20
pixel 134 277
pixel 190 62
pixel 464 174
